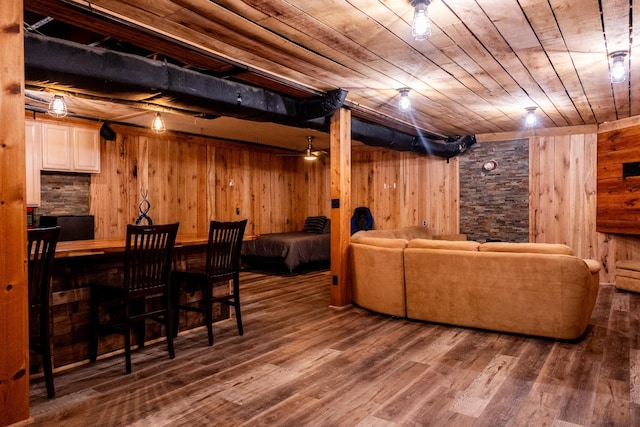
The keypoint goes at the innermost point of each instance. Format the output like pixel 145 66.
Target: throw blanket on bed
pixel 295 247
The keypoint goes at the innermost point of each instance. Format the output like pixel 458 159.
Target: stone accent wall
pixel 63 194
pixel 494 205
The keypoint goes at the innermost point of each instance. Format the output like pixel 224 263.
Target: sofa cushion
pixel 531 248
pixel 382 242
pixel 456 236
pixel 462 245
pixel 628 265
pixel 386 234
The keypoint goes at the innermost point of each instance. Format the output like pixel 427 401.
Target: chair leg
pixel 47 367
pixel 93 344
pixel 206 299
pixel 236 304
pixel 175 302
pixel 45 345
pixel 169 325
pixel 127 339
pixel 140 327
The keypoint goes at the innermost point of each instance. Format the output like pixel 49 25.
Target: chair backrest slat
pixel 223 250
pixel 148 257
pixel 41 249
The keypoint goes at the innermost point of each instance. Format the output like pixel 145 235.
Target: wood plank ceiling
pixel 484 64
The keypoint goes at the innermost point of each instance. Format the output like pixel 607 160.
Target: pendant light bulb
pixel 157 125
pixel 421 27
pixel 530 119
pixel 405 103
pixel 618 69
pixel 308 155
pixel 57 106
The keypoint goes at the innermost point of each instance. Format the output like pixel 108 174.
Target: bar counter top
pixel 77 248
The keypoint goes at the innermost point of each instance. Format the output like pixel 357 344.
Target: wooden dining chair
pixel 222 265
pixel 41 248
pixel 147 264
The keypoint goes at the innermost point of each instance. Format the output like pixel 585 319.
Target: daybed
pixel 527 288
pixel 294 248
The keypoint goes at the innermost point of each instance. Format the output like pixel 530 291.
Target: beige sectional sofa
pixel 527 288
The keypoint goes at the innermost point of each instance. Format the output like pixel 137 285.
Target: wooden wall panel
pixel 403 189
pixel 562 192
pixel 195 179
pixel 442 204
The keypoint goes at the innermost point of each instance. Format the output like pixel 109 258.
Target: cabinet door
pixel 34 161
pixel 56 147
pixel 86 156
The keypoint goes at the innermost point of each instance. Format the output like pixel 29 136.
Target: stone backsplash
pixel 63 194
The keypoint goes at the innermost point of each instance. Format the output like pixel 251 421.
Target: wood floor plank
pixel 475 398
pixel 300 363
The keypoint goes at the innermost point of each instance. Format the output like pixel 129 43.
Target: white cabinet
pixel 33 138
pixel 86 150
pixel 70 149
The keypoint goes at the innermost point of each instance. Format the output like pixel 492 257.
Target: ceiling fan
pixel 309 153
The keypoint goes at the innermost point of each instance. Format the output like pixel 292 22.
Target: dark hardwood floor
pixel 301 363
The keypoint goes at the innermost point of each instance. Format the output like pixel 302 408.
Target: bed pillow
pixel 314 224
pixel 327 227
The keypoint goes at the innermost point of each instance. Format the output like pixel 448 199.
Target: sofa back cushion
pixel 382 242
pixel 530 248
pixel 457 236
pixel 462 245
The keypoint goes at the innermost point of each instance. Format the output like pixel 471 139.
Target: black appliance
pixel 72 227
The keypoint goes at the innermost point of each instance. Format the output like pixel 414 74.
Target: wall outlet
pixel 425 223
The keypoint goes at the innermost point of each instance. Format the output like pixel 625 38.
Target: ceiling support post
pixel 14 330
pixel 340 140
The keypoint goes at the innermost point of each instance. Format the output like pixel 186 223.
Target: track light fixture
pixel 405 103
pixel 157 125
pixel 57 106
pixel 618 69
pixel 530 119
pixel 421 27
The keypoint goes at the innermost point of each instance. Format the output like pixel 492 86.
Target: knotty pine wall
pixel 404 189
pixel 194 179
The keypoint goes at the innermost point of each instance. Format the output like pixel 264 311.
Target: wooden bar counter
pixel 77 264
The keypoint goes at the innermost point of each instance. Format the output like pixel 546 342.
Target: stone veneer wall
pixel 63 194
pixel 495 204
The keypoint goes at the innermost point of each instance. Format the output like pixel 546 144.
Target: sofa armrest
pixel 594 266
